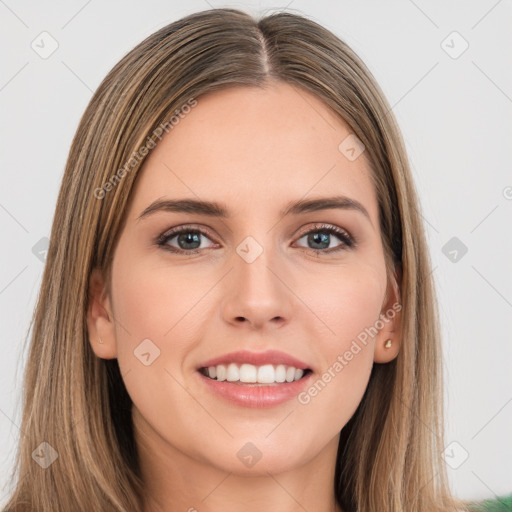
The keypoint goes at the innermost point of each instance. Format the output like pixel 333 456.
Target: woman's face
pixel 256 281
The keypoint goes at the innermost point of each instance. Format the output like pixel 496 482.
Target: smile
pixel 252 374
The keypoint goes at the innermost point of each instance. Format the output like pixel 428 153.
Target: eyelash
pixel 348 242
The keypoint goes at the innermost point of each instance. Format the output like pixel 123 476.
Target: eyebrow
pixel 214 209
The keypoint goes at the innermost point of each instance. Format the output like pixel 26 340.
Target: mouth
pixel 248 385
pixel 246 378
pixel 252 375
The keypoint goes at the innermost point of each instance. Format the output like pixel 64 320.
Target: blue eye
pixel 189 239
pixel 320 235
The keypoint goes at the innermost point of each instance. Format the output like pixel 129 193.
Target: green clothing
pixel 500 504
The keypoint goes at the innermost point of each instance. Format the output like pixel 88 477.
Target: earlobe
pixel 386 351
pixel 388 340
pixel 100 322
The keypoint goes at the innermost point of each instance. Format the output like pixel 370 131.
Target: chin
pixel 259 456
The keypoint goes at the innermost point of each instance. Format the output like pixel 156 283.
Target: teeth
pixel 280 373
pixel 232 373
pixel 249 373
pixel 266 374
pixel 221 372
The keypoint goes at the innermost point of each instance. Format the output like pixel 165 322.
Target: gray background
pixel 454 110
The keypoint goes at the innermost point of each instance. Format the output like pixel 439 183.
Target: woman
pixel 260 368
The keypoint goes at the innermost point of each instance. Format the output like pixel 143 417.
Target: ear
pixel 391 318
pixel 100 319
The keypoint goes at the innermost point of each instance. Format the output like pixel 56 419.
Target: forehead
pixel 255 146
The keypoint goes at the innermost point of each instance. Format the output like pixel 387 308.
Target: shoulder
pixel 499 504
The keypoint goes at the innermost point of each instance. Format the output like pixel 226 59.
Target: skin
pixel 269 147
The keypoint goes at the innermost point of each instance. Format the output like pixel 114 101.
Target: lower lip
pixel 251 395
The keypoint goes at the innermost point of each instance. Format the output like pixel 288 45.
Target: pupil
pixel 189 238
pixel 324 238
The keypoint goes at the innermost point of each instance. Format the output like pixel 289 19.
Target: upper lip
pixel 257 359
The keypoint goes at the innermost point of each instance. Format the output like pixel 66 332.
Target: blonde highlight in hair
pixel 389 455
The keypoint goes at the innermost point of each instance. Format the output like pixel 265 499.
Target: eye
pixel 187 238
pixel 320 237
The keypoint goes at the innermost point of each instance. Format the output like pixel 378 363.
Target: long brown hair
pixel 389 456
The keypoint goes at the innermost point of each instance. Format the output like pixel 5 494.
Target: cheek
pixel 349 305
pixel 348 302
pixel 154 334
pixel 153 303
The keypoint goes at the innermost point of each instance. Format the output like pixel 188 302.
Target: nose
pixel 257 294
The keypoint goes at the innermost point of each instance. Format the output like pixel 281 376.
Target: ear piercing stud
pixel 387 344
